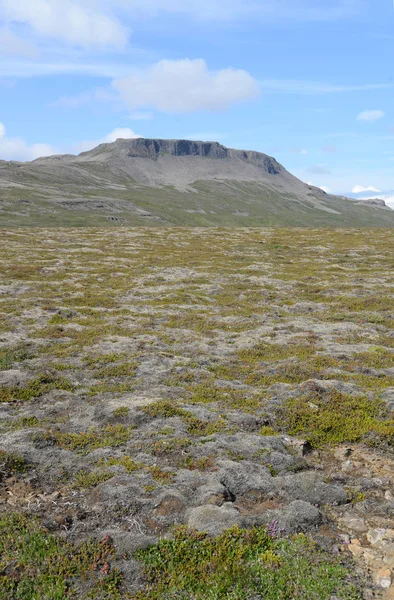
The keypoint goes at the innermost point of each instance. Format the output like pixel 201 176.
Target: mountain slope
pixel 170 182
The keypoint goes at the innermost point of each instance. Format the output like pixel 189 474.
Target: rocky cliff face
pixel 155 148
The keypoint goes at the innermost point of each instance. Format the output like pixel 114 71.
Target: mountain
pixel 369 196
pixel 171 182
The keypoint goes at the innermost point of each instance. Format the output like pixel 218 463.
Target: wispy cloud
pixel 296 86
pixel 13 45
pixel 370 116
pixel 301 151
pixel 141 115
pixel 319 170
pixel 71 21
pixel 21 69
pixel 266 10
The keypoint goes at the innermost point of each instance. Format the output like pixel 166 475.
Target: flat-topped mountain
pixel 171 182
pixel 147 148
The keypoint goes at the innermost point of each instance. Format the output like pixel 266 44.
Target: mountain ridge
pixel 171 182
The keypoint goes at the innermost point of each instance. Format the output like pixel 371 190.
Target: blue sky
pixel 308 81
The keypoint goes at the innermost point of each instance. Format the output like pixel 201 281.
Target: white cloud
pixel 388 199
pixel 15 148
pixel 181 86
pixel 119 132
pixel 77 22
pixel 13 45
pixel 358 189
pixel 371 115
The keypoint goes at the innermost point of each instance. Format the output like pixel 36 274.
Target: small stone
pixel 383 578
pixel 356 524
pixel 355 550
pixel 388 496
pixel 347 465
pixel 376 535
pixel 300 447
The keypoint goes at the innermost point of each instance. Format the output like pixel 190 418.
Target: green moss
pixel 241 564
pixel 125 461
pixel 355 496
pixel 86 479
pixel 101 360
pixel 164 477
pixel 9 356
pixel 206 394
pixel 335 417
pixel 34 389
pixel 201 428
pixel 86 441
pixel 170 446
pixel 121 412
pixel 266 430
pixel 122 370
pixel 163 409
pixel 11 462
pixel 35 564
pixel 201 464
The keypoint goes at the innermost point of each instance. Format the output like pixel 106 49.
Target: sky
pixel 310 82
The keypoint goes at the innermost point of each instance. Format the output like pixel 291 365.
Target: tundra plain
pixel 160 383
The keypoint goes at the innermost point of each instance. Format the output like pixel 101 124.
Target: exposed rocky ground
pixel 208 378
pixel 152 182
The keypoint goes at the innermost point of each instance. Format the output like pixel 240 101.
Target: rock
pixel 347 465
pixel 297 516
pixel 299 447
pixel 213 492
pixel 355 547
pixel 356 524
pixel 376 535
pixel 383 578
pixel 311 488
pixel 240 478
pixel 214 519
